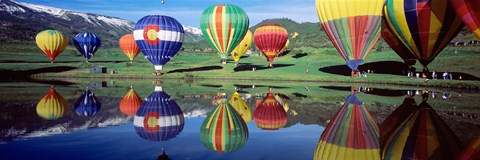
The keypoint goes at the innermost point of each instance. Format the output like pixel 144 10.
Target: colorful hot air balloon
pixel 224 129
pixel 159 118
pixel 159 38
pixel 52 105
pixel 218 97
pixel 282 102
pixel 87 104
pixel 129 46
pixel 241 107
pixel 471 151
pixel 351 134
pixel 269 114
pixel 294 35
pixel 242 47
pixel 51 42
pixel 270 40
pixel 469 11
pixel 397 45
pixel 396 118
pixel 130 103
pixel 353 26
pixel 421 135
pixel 424 26
pixel 87 44
pixel 224 26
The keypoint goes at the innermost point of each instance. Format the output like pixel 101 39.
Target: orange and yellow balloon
pixel 52 43
pixel 242 47
pixel 52 105
pixel 130 103
pixel 129 46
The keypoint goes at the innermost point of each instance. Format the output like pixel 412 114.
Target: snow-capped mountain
pixel 21 21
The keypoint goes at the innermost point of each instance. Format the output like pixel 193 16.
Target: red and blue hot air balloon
pixel 159 118
pixel 159 38
pixel 87 104
pixel 87 44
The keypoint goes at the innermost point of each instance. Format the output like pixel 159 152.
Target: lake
pixel 136 119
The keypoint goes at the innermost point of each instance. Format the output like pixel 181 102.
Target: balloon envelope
pixel 130 103
pixel 270 39
pixel 87 44
pixel 129 46
pixel 87 104
pixel 159 117
pixel 159 38
pixel 52 105
pixel 241 107
pixel 224 26
pixel 51 42
pixel 397 45
pixel 469 11
pixel 471 151
pixel 353 26
pixel 269 114
pixel 243 46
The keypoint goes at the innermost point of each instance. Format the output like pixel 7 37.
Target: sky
pixel 188 12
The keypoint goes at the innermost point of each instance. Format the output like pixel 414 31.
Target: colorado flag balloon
pixel 159 38
pixel 51 42
pixel 87 44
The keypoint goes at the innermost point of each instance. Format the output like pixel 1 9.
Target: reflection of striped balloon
pixel 224 129
pixel 269 114
pixel 129 46
pixel 422 135
pixel 224 26
pixel 471 151
pixel 159 118
pixel 51 42
pixel 270 39
pixel 353 26
pixel 469 11
pixel 52 105
pixel 351 134
pixel 130 103
pixel 87 104
pixel 424 26
pixel 396 118
pixel 241 107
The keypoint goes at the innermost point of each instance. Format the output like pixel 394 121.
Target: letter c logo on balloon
pixel 150 34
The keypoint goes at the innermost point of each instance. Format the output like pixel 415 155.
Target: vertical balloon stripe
pixel 51 42
pixel 468 11
pixel 270 39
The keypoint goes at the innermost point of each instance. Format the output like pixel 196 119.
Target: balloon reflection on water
pixel 52 105
pixel 87 104
pixel 270 114
pixel 130 103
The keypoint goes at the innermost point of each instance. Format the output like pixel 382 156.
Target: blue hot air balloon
pixel 159 38
pixel 87 44
pixel 159 118
pixel 87 104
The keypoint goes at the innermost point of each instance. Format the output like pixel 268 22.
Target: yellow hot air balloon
pixel 52 105
pixel 242 47
pixel 241 107
pixel 294 35
pixel 52 43
pixel 284 49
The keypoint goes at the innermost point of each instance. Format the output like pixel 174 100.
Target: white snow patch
pixel 11 9
pixel 196 113
pixel 114 122
pixel 193 30
pixel 116 21
pixel 57 12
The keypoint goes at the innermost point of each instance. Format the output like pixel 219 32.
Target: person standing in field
pixel 434 75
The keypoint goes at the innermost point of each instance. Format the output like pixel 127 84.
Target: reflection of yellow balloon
pixel 243 46
pixel 241 107
pixel 52 105
pixel 282 102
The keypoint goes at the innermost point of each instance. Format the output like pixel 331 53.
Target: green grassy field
pixel 26 57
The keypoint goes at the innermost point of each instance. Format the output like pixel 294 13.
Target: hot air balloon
pixel 353 26
pixel 471 151
pixel 51 42
pixel 218 98
pixel 224 26
pixel 242 47
pixel 469 11
pixel 424 26
pixel 129 46
pixel 284 49
pixel 159 38
pixel 130 103
pixel 396 118
pixel 52 105
pixel 87 104
pixel 270 40
pixel 87 44
pixel 294 35
pixel 241 107
pixel 421 135
pixel 224 129
pixel 159 118
pixel 269 114
pixel 351 134
pixel 397 45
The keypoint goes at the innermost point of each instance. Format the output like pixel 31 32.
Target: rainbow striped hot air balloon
pixel 469 11
pixel 129 46
pixel 130 103
pixel 87 104
pixel 87 44
pixel 242 47
pixel 52 43
pixel 421 135
pixel 241 107
pixel 397 45
pixel 269 114
pixel 159 118
pixel 353 26
pixel 424 26
pixel 471 151
pixel 52 105
pixel 351 134
pixel 224 26
pixel 396 118
pixel 224 129
pixel 270 39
